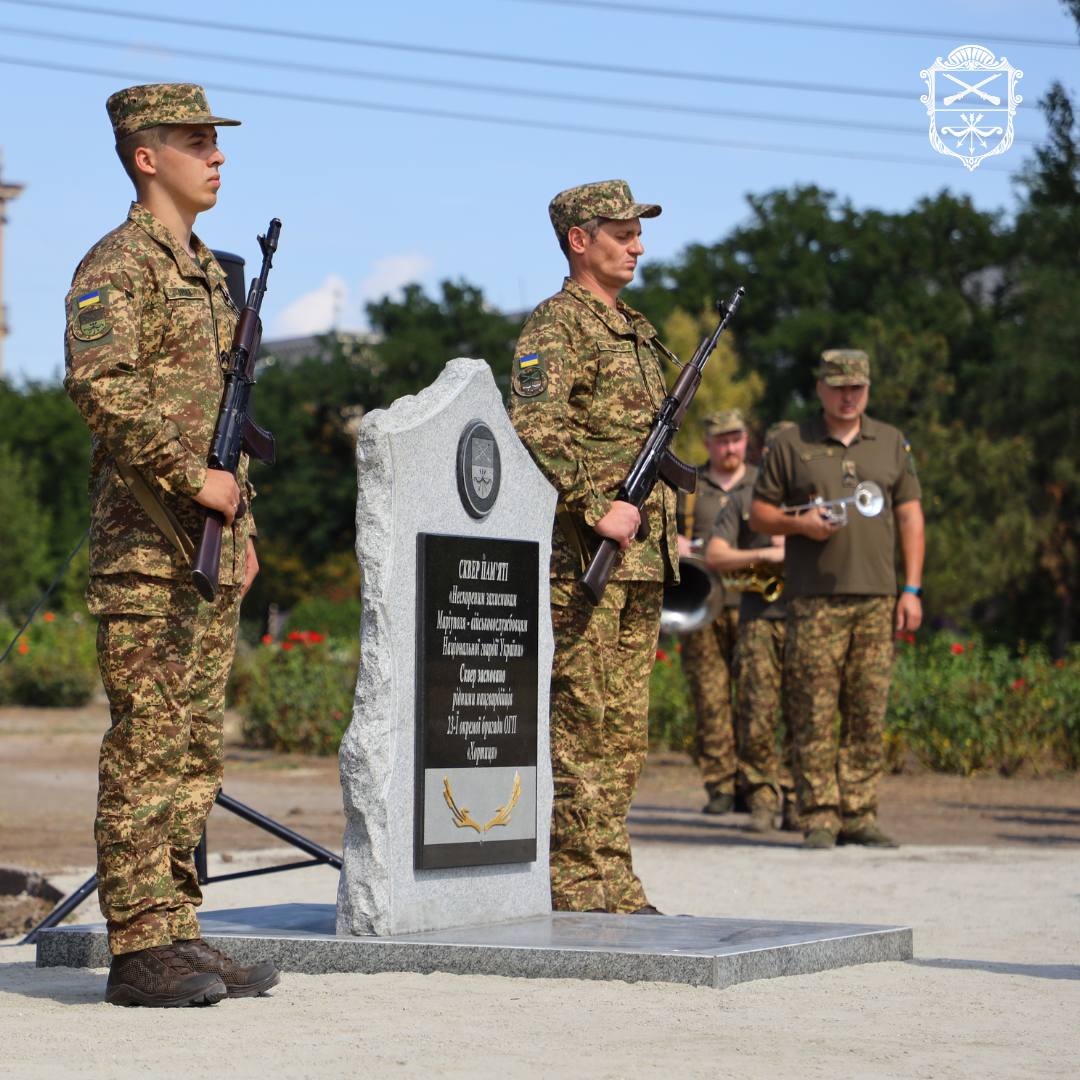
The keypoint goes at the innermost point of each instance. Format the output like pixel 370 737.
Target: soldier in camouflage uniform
pixel 842 596
pixel 734 548
pixel 148 319
pixel 708 654
pixel 587 382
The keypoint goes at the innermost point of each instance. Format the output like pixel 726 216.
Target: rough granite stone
pixel 560 945
pixel 406 466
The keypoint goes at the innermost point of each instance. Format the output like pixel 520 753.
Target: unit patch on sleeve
pixel 530 379
pixel 90 317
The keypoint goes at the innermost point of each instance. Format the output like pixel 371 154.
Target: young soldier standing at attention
pixel 148 318
pixel 587 383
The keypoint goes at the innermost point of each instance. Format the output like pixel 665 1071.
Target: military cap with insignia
pixel 844 367
pixel 609 199
pixel 136 108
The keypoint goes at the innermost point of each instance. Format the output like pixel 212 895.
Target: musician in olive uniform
pixel 148 319
pixel 708 654
pixel 587 383
pixel 841 589
pixel 757 562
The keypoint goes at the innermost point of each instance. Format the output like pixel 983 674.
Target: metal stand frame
pixel 320 856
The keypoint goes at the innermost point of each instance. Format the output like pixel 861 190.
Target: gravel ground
pixel 994 990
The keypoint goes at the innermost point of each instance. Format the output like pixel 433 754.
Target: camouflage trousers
pixel 162 758
pixel 839 656
pixel 599 736
pixel 707 656
pixel 759 661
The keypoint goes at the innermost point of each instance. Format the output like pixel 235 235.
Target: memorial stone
pixel 445 768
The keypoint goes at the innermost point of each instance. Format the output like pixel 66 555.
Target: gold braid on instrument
pixel 759 577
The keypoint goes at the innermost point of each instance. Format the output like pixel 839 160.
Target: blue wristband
pixel 915 590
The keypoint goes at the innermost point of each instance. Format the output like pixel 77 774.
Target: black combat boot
pixel 239 981
pixel 159 978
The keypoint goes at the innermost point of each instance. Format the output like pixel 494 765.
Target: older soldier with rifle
pixel 149 321
pixel 587 391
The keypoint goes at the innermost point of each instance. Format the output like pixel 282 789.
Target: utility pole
pixel 8 192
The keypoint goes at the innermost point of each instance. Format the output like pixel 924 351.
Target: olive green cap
pixel 139 107
pixel 605 199
pixel 720 423
pixel 844 367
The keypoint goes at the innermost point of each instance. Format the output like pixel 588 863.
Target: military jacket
pixel 696 513
pixel 587 383
pixel 804 462
pixel 146 329
pixel 732 525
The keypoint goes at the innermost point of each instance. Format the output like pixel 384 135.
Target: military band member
pixel 842 596
pixel 734 549
pixel 708 654
pixel 587 383
pixel 148 318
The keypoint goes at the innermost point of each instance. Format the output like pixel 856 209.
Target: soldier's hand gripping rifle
pixel 656 461
pixel 236 431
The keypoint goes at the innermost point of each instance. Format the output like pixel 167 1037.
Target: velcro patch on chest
pixel 90 317
pixel 184 292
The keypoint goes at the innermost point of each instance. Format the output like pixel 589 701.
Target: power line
pixel 805 24
pixel 487 118
pixel 470 54
pixel 501 90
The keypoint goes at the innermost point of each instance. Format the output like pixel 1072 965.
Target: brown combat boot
pixel 762 819
pixel 239 981
pixel 160 978
pixel 720 802
pixel 866 836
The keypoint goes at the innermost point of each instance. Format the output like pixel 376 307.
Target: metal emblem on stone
pixel 971 102
pixel 479 469
pixel 446 768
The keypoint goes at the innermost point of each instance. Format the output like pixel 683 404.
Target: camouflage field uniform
pixel 146 327
pixel 759 661
pixel 708 654
pixel 587 382
pixel 841 600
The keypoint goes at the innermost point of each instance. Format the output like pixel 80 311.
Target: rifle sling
pixel 157 511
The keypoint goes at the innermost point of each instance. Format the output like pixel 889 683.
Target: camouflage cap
pixel 844 367
pixel 605 199
pixel 720 423
pixel 139 107
pixel 775 429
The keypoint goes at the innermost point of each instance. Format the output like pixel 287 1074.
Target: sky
pixel 422 141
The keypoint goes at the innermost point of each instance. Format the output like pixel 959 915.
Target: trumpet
pixel 760 577
pixel 867 498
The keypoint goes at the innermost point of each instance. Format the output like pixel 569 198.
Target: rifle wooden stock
pixel 204 570
pixel 594 581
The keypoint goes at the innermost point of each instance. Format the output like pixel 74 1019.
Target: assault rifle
pixel 236 432
pixel 656 461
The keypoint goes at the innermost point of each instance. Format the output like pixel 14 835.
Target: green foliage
pixel 333 619
pixel 965 707
pixel 671 711
pixel 307 500
pixel 53 664
pixel 24 538
pixel 299 695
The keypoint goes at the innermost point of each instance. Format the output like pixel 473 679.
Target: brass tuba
pixel 696 601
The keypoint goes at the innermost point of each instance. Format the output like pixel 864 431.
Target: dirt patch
pixel 50 756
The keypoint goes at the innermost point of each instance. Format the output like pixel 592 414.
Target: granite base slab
pixel 561 945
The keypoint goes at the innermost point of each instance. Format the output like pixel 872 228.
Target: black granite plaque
pixel 476 700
